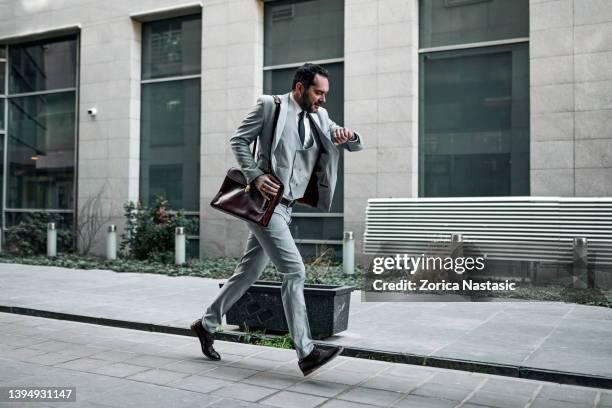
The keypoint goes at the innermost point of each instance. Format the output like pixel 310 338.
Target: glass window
pixel 297 31
pixel 2 51
pixel 2 90
pixel 170 143
pixel 192 248
pixel 321 228
pixel 325 250
pixel 171 47
pixel 42 66
pixel 40 128
pixel 474 135
pixel 447 22
pixel 2 75
pixel 303 31
pixel 2 136
pixel 170 112
pixel 14 218
pixel 41 131
pixel 2 114
pixel 162 182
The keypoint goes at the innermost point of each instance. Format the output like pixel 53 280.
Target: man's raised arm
pixel 345 137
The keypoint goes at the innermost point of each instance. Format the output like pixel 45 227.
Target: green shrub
pixel 29 237
pixel 149 231
pixel 285 342
pixel 259 337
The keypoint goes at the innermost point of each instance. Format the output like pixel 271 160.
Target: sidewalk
pixel 113 367
pixel 523 336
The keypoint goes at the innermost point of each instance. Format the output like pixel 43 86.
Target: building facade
pixel 455 98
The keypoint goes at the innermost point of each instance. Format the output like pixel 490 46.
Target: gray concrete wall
pixel 232 72
pixel 571 97
pixel 381 101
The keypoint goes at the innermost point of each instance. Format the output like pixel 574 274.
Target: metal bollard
pixel 51 240
pixel 581 263
pixel 348 253
pixel 179 246
pixel 111 243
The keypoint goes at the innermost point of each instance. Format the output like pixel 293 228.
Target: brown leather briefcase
pixel 238 198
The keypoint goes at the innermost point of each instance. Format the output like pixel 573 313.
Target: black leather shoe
pixel 206 340
pixel 317 358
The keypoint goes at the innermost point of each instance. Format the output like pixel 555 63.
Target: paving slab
pixel 547 337
pixel 221 384
pixel 319 388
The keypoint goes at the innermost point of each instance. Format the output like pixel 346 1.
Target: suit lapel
pixel 282 119
pixel 325 142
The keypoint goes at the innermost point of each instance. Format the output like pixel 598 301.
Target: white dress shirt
pixel 298 109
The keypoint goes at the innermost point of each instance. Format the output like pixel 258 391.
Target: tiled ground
pixel 544 335
pixel 113 367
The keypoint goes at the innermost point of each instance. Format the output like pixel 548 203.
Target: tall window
pixel 309 31
pixel 3 106
pixel 38 122
pixel 474 105
pixel 170 115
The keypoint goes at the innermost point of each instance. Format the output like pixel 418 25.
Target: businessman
pixel 304 158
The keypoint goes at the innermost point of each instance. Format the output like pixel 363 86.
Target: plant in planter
pixel 261 307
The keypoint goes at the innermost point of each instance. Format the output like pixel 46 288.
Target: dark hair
pixel 306 73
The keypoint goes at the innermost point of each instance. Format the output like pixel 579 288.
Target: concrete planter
pixel 261 308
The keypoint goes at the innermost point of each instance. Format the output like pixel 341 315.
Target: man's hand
pixel 267 185
pixel 342 135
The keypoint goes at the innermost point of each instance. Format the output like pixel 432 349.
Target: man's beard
pixel 305 103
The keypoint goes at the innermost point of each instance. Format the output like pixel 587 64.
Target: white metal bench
pixel 537 229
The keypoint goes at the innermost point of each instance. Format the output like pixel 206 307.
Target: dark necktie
pixel 301 130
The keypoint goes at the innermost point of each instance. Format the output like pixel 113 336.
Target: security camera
pixel 92 111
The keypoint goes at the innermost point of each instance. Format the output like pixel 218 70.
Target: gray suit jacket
pixel 259 123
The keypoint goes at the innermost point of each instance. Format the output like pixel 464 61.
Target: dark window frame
pixel 466 50
pixel 14 212
pixel 197 74
pixel 309 245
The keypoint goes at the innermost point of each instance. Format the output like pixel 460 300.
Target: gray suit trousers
pixel 275 243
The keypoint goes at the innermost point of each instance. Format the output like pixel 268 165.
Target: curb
pixel 530 373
